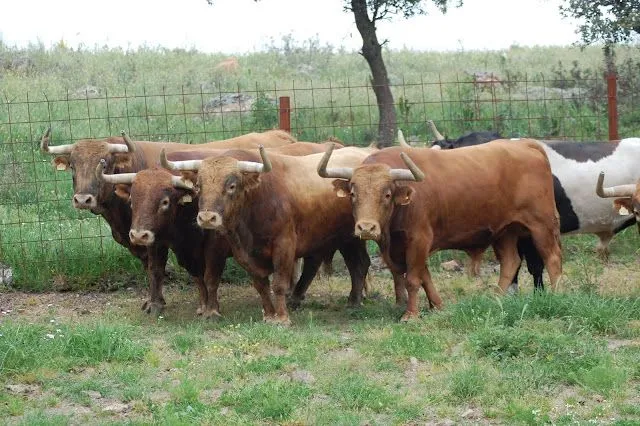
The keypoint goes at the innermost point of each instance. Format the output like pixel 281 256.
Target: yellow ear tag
pixel 61 167
pixel 185 199
pixel 623 211
pixel 340 193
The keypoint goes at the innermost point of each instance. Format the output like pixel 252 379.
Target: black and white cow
pixel 575 167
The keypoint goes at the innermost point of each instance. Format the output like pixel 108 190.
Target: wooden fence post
pixel 285 113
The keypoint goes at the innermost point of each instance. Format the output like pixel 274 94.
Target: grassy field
pixel 567 358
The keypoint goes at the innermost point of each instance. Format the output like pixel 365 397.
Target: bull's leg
pixel 475 261
pixel 202 292
pixel 400 288
pixel 309 271
pixel 547 241
pixel 297 273
pixel 602 248
pixel 357 260
pixel 506 249
pixel 214 266
pixel 157 261
pixel 261 284
pixel 435 302
pixel 416 256
pixel 283 260
pixel 535 265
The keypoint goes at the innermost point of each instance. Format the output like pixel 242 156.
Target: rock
pixel 302 376
pixel 451 266
pixel 116 408
pixel 471 413
pixel 6 275
pixel 20 388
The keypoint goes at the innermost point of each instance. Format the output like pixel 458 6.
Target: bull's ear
pixel 402 195
pixel 623 206
pixel 123 191
pixel 250 180
pixel 341 187
pixel 122 161
pixel 61 162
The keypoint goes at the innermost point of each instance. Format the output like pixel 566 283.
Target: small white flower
pixel 58 331
pixel 50 336
pixel 160 317
pixel 49 305
pixel 52 321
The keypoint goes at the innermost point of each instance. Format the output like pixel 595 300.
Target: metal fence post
pixel 612 105
pixel 285 113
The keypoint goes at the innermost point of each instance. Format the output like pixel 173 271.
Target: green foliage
pixel 604 20
pixel 357 392
pixel 467 383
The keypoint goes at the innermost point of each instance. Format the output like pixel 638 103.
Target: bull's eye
pixel 387 195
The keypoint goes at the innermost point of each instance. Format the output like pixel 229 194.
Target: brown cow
pixel 121 155
pixel 627 197
pixel 270 219
pixel 163 215
pixel 510 195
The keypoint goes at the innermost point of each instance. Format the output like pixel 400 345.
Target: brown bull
pixel 164 215
pixel 509 195
pixel 275 211
pixel 121 155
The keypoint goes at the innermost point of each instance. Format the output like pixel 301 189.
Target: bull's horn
pixel 435 131
pixel 414 173
pixel 130 145
pixel 335 172
pixel 253 167
pixel 180 183
pixel 126 178
pixel 55 150
pixel 403 143
pixel 178 165
pixel 613 191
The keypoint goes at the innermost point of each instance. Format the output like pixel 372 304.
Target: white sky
pixel 238 26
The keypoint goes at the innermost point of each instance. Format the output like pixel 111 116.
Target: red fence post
pixel 612 105
pixel 285 114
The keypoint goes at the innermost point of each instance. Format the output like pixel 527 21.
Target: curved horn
pixel 54 150
pixel 403 143
pixel 178 165
pixel 335 172
pixel 614 191
pixel 253 167
pixel 130 145
pixel 179 183
pixel 126 178
pixel 414 173
pixel 435 131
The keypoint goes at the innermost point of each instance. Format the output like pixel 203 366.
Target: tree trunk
pixel 609 58
pixel 372 52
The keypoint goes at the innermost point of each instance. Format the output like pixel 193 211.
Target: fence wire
pixel 44 240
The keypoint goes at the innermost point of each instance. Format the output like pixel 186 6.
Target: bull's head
pixel 221 184
pixel 374 190
pixel 629 197
pixel 81 158
pixel 154 195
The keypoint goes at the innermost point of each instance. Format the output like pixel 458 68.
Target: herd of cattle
pixel 270 201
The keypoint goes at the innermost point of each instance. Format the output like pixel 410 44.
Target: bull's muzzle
pixel 209 220
pixel 141 237
pixel 367 230
pixel 84 201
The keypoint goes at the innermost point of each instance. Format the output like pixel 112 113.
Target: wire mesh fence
pixel 44 240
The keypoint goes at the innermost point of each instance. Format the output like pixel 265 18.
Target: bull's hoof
pixel 211 313
pixel 409 316
pixel 278 320
pixel 154 308
pixel 200 310
pixel 354 304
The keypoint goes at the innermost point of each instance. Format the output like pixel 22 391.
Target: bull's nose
pixel 141 237
pixel 367 230
pixel 84 201
pixel 208 219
